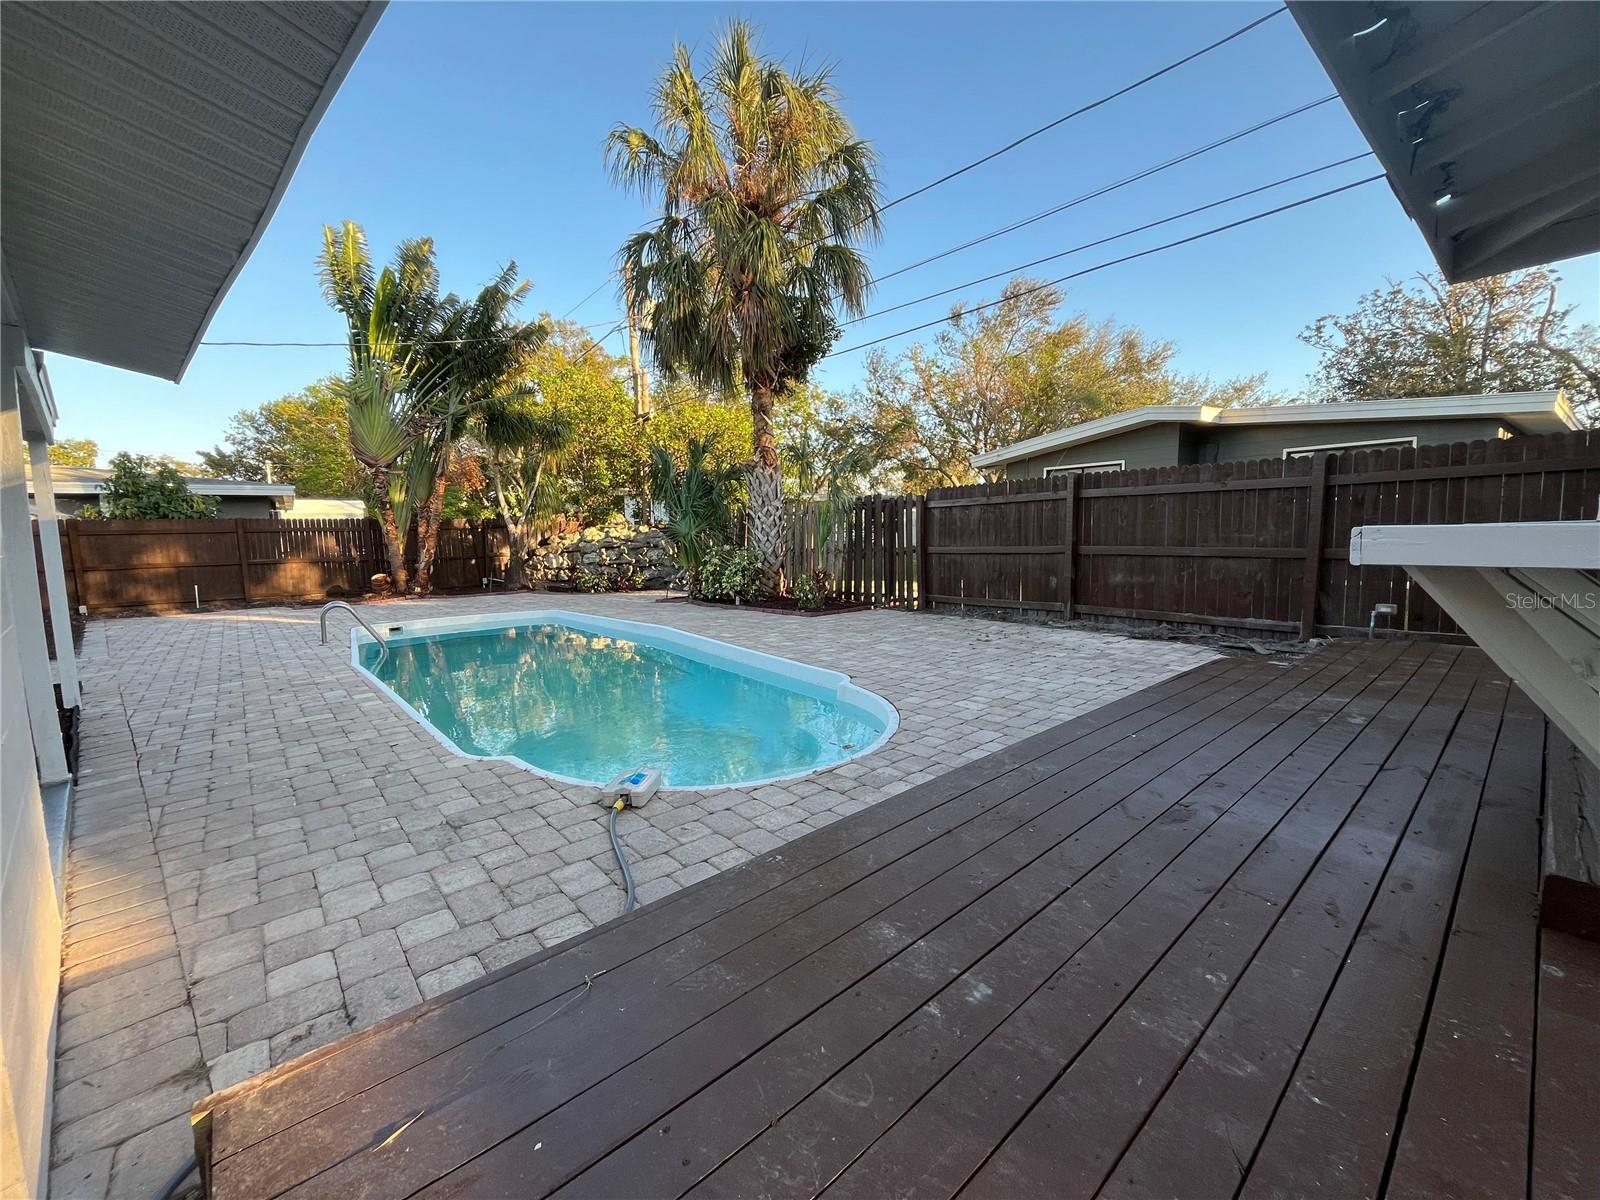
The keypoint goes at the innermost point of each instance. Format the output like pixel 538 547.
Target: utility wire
pixel 433 342
pixel 1265 187
pixel 1078 112
pixel 599 341
pixel 1112 263
pixel 1108 188
pixel 586 300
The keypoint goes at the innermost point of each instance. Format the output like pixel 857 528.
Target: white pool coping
pixel 727 655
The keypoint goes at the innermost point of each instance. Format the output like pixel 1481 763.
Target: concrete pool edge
pixel 666 637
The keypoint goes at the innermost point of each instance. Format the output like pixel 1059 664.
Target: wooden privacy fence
pixel 115 565
pixel 870 550
pixel 1254 545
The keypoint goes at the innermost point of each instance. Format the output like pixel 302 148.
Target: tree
pixel 1425 337
pixel 608 456
pixel 765 193
pixel 141 488
pixel 390 315
pixel 303 439
pixel 74 452
pixel 521 442
pixel 479 356
pixel 697 496
pixel 999 374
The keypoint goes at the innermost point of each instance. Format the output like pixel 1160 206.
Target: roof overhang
pixel 1530 412
pixel 143 150
pixel 1486 117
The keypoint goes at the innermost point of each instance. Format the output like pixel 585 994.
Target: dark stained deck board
pixel 1466 1126
pixel 1119 957
pixel 1208 1125
pixel 1105 1087
pixel 1566 1152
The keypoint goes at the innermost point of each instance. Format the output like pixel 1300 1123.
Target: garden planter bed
pixel 781 604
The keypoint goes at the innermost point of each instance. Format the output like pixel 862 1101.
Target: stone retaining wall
pixel 602 548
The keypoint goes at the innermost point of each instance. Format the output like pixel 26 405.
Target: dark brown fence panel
pixel 1254 545
pixel 308 560
pixel 115 565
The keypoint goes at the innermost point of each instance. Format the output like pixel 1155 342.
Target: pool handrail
pixel 383 646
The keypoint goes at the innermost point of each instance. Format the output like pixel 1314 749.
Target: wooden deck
pixel 1259 931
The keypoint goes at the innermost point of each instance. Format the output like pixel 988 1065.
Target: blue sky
pixel 483 124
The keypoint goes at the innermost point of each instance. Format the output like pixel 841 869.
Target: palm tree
pixel 390 317
pixel 765 192
pixel 479 353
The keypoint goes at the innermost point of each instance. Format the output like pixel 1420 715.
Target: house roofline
pixel 330 88
pixel 1546 408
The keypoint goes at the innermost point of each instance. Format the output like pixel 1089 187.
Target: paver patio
pixel 267 854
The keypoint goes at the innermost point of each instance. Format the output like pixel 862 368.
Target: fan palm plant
pixel 698 499
pixel 765 193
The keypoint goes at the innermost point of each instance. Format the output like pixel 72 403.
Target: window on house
pixel 1120 464
pixel 1382 444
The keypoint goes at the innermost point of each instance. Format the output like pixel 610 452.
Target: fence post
pixel 1311 575
pixel 1069 544
pixel 244 558
pixel 75 589
pixel 922 552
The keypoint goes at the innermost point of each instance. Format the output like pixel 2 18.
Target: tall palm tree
pixel 390 316
pixel 765 193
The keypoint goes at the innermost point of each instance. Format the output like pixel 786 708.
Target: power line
pixel 1078 112
pixel 1265 187
pixel 586 300
pixel 1108 188
pixel 599 341
pixel 1114 262
pixel 345 344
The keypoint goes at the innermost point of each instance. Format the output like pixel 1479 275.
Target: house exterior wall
pixel 1151 446
pixel 1172 444
pixel 1270 441
pixel 30 940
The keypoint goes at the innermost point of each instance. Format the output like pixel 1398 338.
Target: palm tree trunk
pixel 428 527
pixel 393 545
pixel 765 522
pixel 517 548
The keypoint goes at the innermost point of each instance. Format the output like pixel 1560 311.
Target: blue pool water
pixel 585 702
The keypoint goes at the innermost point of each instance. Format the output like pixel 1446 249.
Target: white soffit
pixel 1486 117
pixel 143 149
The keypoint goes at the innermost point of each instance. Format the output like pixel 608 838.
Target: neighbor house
pixel 143 152
pixel 1176 435
pixel 79 487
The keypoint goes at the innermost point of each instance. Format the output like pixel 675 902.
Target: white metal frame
pixel 1296 451
pixel 1527 592
pixel 1115 464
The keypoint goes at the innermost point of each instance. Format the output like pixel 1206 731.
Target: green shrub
pixel 811 591
pixel 732 573
pixel 588 581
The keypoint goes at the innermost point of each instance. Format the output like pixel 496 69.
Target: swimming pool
pixel 582 699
